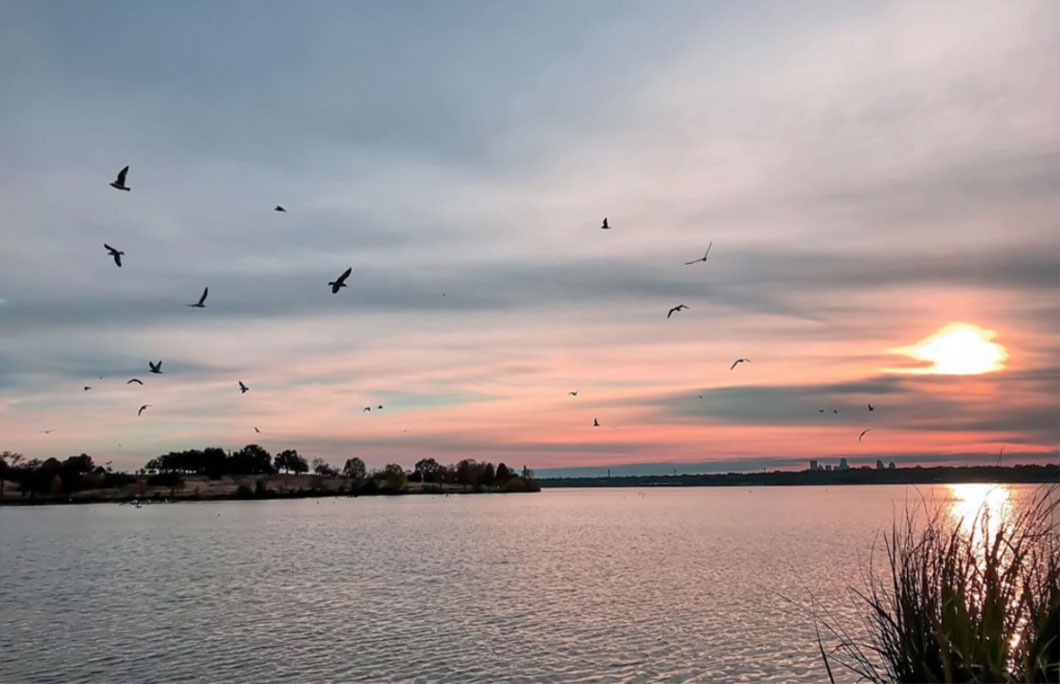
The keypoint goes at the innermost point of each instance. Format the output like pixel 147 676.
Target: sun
pixel 956 349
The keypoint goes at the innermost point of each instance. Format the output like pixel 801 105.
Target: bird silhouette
pixel 47 432
pixel 596 423
pixel 871 407
pixel 138 381
pixel 119 182
pixel 737 362
pixel 705 254
pixel 605 226
pixel 820 410
pixel 242 388
pixel 155 368
pixel 201 304
pixel 279 208
pixel 366 408
pixel 142 409
pixel 256 429
pixel 87 388
pixel 679 307
pixel 863 433
pixel 340 282
pixel 380 407
pixel 573 394
pixel 835 410
pixel 114 253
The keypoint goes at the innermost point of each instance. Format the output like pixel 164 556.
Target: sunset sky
pixel 869 173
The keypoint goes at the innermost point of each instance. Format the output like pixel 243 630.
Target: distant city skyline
pixel 877 184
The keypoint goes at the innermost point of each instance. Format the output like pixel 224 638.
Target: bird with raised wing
pixel 596 423
pixel 142 409
pixel 119 182
pixel 676 309
pixel 279 208
pixel 114 253
pixel 340 282
pixel 871 407
pixel 201 304
pixel 863 433
pixel 705 255
pixel 366 408
pixel 156 368
pixel 243 388
pixel 605 226
pixel 138 381
pixel 573 393
pixel 738 362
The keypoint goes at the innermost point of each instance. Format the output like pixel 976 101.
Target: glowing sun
pixel 956 349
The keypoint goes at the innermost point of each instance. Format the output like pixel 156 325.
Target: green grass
pixel 954 606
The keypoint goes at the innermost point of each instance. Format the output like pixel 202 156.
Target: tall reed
pixel 957 602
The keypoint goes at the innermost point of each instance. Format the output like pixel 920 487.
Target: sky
pixel 867 173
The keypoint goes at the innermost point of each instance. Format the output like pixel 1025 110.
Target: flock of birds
pixel 119 183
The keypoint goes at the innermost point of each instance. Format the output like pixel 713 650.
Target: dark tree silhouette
pixel 426 470
pixel 289 460
pixel 354 468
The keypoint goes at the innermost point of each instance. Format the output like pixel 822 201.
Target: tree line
pixel 78 473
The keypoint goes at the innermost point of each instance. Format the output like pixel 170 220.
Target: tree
pixel 426 470
pixel 394 477
pixel 322 467
pixel 354 468
pixel 503 474
pixel 290 461
pixel 489 476
pixel 9 461
pixel 250 460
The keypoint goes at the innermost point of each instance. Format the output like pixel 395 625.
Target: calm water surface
pixel 614 585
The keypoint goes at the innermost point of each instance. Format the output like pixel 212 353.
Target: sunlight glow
pixel 957 349
pixel 979 508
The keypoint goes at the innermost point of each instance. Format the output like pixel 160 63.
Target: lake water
pixel 591 585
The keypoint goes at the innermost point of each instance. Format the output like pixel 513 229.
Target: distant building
pixel 890 466
pixel 879 464
pixel 828 466
pixel 814 466
pixel 843 465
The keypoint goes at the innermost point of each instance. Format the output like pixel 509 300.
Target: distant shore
pixel 248 487
pixel 853 476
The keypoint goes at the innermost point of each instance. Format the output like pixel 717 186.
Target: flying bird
pixel 340 282
pixel 138 381
pixel 738 362
pixel 596 423
pixel 201 304
pixel 679 307
pixel 279 208
pixel 705 254
pixel 871 407
pixel 47 432
pixel 256 429
pixel 835 410
pixel 573 394
pixel 155 368
pixel 380 407
pixel 605 226
pixel 119 182
pixel 87 388
pixel 820 410
pixel 366 408
pixel 114 253
pixel 863 432
pixel 142 409
pixel 242 388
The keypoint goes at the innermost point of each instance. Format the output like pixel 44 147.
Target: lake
pixel 590 585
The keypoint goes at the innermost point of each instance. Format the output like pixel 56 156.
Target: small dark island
pixel 249 473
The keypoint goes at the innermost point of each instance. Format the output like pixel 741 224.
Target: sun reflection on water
pixel 979 508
